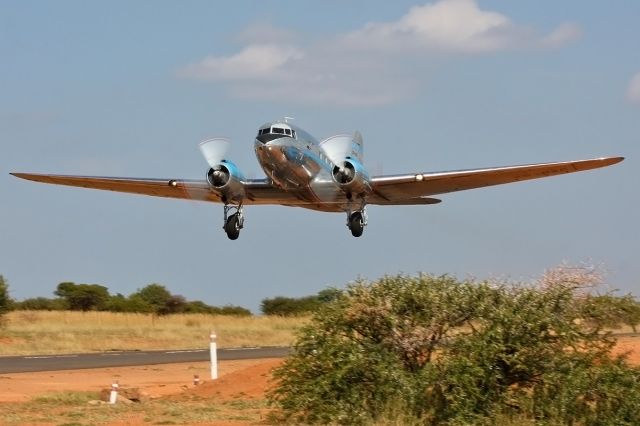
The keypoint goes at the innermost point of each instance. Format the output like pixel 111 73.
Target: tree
pixel 157 298
pixel 5 299
pixel 83 297
pixel 612 312
pixel 434 350
pixel 41 304
pixel 198 307
pixel 234 310
pixel 174 305
pixel 64 289
pixel 291 306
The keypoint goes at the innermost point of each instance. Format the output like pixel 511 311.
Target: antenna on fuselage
pixel 286 119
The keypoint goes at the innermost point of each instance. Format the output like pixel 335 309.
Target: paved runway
pixel 24 364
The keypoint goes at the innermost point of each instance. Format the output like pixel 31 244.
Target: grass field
pixel 72 409
pixel 55 332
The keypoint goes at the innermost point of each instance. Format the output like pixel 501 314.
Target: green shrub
pixel 292 306
pixel 450 352
pixel 6 303
pixel 40 304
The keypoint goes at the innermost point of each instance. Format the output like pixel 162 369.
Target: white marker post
pixel 213 350
pixel 113 396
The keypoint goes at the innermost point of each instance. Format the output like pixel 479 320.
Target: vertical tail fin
pixel 358 148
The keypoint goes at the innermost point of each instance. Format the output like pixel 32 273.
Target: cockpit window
pixel 270 132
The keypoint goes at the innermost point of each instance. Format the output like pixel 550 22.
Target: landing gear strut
pixel 233 223
pixel 356 221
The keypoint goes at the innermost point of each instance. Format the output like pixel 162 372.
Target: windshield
pixel 285 132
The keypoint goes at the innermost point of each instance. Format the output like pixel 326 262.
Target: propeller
pixel 218 176
pixel 337 149
pixel 344 172
pixel 214 150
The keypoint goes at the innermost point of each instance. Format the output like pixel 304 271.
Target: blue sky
pixel 130 88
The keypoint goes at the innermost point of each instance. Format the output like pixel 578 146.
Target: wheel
pixel 356 224
pixel 232 227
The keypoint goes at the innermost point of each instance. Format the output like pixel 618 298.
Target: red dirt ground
pixel 631 346
pixel 235 377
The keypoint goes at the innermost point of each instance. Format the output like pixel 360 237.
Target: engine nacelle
pixel 351 177
pixel 226 179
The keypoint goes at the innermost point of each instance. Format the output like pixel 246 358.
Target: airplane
pixel 326 175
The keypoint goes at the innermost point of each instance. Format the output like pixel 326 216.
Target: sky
pixel 129 89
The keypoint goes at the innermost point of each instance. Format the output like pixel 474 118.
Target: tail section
pixel 358 146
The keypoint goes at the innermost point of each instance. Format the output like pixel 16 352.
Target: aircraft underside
pixel 327 176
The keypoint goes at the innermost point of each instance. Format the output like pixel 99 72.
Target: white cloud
pixel 455 26
pixel 633 90
pixel 356 68
pixel 285 73
pixel 448 25
pixel 565 33
pixel 253 62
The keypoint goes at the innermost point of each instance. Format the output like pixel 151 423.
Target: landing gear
pixel 233 223
pixel 356 221
pixel 356 224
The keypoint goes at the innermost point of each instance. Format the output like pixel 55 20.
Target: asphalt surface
pixel 26 364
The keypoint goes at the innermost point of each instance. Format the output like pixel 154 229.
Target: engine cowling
pixel 227 180
pixel 351 177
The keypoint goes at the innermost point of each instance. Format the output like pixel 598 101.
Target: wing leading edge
pixel 405 189
pixel 258 191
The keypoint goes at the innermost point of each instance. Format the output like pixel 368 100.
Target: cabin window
pixel 278 130
pixel 287 131
pixel 293 133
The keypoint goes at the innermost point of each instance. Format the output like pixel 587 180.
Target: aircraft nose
pixel 268 137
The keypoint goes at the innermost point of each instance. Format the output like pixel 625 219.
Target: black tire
pixel 356 224
pixel 232 227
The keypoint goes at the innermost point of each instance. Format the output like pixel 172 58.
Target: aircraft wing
pixel 258 191
pixel 408 188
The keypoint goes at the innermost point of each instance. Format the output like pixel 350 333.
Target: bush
pixel 291 306
pixel 442 351
pixel 612 312
pixel 232 310
pixel 156 299
pixel 40 304
pixel 5 300
pixel 83 297
pixel 133 304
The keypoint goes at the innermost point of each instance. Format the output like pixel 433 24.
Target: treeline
pixel 292 306
pixel 613 311
pixel 154 299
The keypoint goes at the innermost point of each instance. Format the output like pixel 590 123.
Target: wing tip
pixel 609 161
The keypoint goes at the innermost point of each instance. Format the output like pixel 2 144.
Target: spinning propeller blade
pixel 214 150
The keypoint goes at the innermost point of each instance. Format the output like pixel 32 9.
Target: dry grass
pixel 72 408
pixel 31 332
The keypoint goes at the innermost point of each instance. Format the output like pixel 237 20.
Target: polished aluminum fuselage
pixel 295 163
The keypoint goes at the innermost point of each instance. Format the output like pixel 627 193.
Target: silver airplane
pixel 327 176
